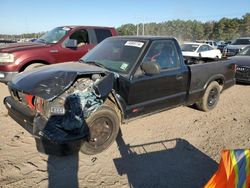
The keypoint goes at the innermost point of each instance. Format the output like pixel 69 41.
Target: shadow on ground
pixel 242 84
pixel 63 171
pixel 177 164
pixel 168 163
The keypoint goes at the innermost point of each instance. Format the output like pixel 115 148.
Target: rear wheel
pixel 103 128
pixel 210 97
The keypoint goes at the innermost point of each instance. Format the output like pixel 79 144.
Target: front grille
pixel 14 94
pixel 18 96
pixel 242 72
pixel 243 69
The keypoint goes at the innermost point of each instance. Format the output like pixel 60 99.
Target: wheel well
pixel 220 82
pixel 111 101
pixel 31 62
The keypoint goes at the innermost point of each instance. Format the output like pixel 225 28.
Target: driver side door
pixel 74 54
pixel 148 93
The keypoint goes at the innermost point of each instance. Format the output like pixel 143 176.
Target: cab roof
pixel 144 37
pixel 85 26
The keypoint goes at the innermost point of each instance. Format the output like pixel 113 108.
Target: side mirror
pixel 71 43
pixel 150 68
pixel 200 56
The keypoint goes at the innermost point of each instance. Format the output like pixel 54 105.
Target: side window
pixel 203 48
pixel 210 48
pixel 101 34
pixel 81 36
pixel 200 49
pixel 164 53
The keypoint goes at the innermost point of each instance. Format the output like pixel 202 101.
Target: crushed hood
pixel 9 48
pixel 50 81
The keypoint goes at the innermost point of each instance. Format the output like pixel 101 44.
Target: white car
pixel 200 50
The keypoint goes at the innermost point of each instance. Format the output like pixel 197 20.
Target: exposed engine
pixel 76 104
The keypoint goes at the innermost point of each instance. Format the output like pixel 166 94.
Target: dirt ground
pixel 176 148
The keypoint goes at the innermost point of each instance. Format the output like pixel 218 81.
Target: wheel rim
pixel 212 97
pixel 100 131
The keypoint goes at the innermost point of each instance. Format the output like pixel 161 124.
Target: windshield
pixel 54 35
pixel 189 47
pixel 245 51
pixel 241 42
pixel 117 55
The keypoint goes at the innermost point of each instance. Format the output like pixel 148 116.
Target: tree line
pixel 191 30
pixel 21 36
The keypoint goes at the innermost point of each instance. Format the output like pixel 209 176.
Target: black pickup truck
pixel 80 106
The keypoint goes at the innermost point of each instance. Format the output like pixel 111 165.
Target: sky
pixel 28 16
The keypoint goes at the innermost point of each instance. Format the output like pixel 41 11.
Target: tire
pixel 33 65
pixel 104 126
pixel 210 97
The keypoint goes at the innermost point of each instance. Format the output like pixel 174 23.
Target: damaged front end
pixel 59 123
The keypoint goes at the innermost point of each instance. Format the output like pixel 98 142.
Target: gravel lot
pixel 176 148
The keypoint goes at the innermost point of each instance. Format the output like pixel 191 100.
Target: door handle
pixel 53 51
pixel 179 76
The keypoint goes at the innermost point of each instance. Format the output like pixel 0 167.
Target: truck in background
pixel 236 46
pixel 62 44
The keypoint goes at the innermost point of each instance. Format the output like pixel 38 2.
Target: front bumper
pixel 7 76
pixel 20 113
pixel 50 138
pixel 242 79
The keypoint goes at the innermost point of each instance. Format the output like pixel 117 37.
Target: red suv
pixel 62 44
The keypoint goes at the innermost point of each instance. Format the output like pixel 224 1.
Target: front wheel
pixel 33 65
pixel 210 97
pixel 103 130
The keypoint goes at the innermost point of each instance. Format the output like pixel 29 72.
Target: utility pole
pixel 137 29
pixel 143 29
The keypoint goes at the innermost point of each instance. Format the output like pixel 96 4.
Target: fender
pixel 33 58
pixel 121 104
pixel 198 93
pixel 214 78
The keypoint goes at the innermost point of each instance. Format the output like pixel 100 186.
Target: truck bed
pixel 203 73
